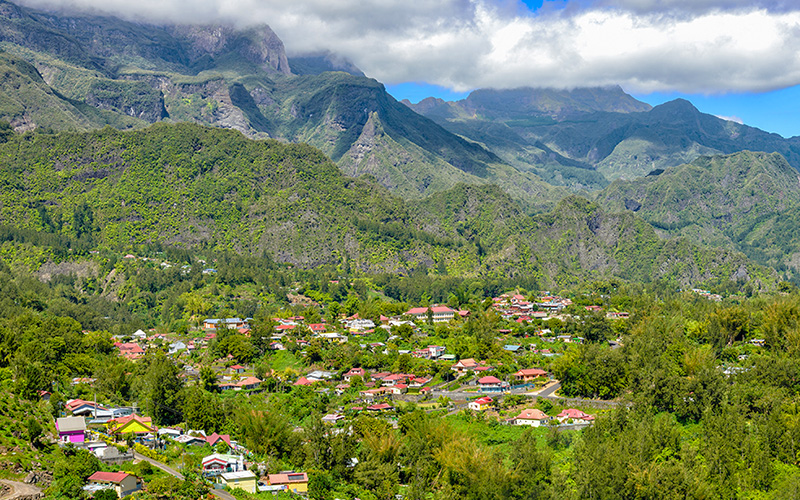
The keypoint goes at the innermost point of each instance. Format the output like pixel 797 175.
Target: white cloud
pixel 644 45
pixel 734 119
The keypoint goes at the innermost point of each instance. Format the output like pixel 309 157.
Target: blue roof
pixel 512 347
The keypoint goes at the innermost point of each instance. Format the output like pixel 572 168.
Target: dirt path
pixel 21 491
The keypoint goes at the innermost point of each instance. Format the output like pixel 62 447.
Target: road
pixel 21 490
pixel 549 390
pixel 224 495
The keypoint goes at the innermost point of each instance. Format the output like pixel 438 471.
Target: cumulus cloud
pixel 708 46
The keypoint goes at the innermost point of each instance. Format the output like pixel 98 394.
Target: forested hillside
pixel 189 186
pixel 742 201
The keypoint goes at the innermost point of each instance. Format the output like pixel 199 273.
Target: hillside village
pixel 503 387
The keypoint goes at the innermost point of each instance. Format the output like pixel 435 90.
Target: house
pixel 320 375
pixel 71 430
pixel 80 407
pixel 230 323
pixel 572 415
pixel 332 337
pixel 533 417
pixel 464 365
pixel 243 479
pixel 480 404
pixel 354 372
pixel 130 424
pixel 332 418
pixel 218 463
pixel 380 407
pixel 238 369
pixel 318 328
pixel 341 388
pixel 121 482
pixel 529 375
pixel 296 482
pixel 492 384
pixel 215 438
pixel 249 383
pixel 303 381
pixel 190 440
pixel 176 347
pixel 440 314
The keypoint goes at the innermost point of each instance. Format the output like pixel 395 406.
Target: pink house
pixel 71 429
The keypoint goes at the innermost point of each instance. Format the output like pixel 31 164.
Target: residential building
pixel 439 314
pixel 296 482
pixel 480 404
pixel 492 384
pixel 121 482
pixel 243 479
pixel 529 374
pixel 71 430
pixel 533 417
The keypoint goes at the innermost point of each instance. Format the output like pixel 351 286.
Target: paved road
pixel 224 495
pixel 549 391
pixel 19 490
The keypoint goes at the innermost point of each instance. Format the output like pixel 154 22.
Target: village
pixel 428 376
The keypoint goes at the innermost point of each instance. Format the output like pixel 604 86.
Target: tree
pixel 162 390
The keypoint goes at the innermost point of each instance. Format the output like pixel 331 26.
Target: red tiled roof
pixel 289 478
pixel 215 438
pixel 533 414
pixel 108 477
pixel 489 380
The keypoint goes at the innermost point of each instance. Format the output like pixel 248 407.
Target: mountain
pixel 585 137
pixel 733 200
pixel 33 102
pixel 242 79
pixel 191 186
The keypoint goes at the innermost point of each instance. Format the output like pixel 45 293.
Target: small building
pixel 480 404
pixel 296 482
pixel 249 383
pixel 529 374
pixel 492 384
pixel 215 439
pixel 121 482
pixel 131 424
pixel 355 372
pixel 439 314
pixel 218 463
pixel 533 417
pixel 575 416
pixel 244 479
pixel 71 430
pixel 464 365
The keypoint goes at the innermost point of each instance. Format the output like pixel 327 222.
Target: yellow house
pixel 122 482
pixel 296 482
pixel 132 423
pixel 244 479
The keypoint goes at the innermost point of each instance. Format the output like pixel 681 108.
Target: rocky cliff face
pixel 258 45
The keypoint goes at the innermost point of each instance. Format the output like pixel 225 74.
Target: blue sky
pixel 733 58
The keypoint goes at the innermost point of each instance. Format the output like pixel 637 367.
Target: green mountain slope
pixel 189 186
pixel 241 79
pixel 27 102
pixel 720 200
